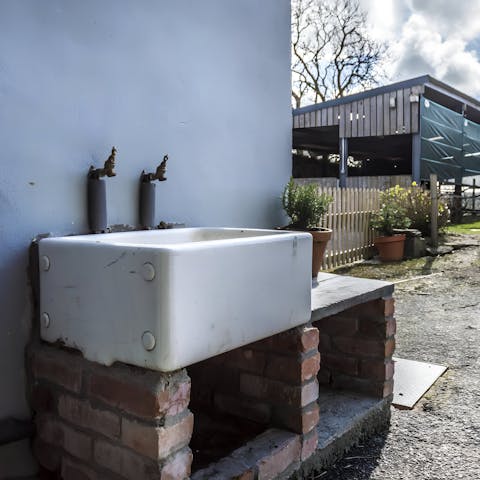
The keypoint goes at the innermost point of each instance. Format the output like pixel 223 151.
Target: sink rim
pixel 114 239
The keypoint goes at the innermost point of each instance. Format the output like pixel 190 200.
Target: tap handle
pixel 159 172
pixel 107 169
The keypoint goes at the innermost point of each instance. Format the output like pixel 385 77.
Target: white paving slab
pixel 412 379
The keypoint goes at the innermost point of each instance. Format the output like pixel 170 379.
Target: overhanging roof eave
pixel 425 80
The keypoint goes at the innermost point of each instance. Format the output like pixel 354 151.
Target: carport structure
pixel 415 127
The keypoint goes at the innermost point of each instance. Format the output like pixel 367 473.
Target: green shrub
pixel 418 205
pixel 392 213
pixel 407 207
pixel 304 204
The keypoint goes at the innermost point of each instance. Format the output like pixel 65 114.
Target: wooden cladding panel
pixel 371 116
pixel 342 130
pixel 354 118
pixel 324 116
pixel 360 118
pixel 348 120
pixel 330 120
pixel 379 101
pixel 386 114
pixel 407 120
pixel 366 117
pixel 400 107
pixel 336 115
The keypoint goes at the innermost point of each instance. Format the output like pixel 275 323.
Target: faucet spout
pixel 159 172
pixel 107 170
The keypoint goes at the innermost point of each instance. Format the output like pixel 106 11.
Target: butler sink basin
pixel 165 299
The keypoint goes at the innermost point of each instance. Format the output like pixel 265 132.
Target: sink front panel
pixel 197 298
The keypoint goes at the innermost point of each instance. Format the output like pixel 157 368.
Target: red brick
pixel 247 475
pixel 373 327
pixel 59 367
pixel 146 394
pixel 54 431
pixel 391 327
pixel 376 369
pixel 292 369
pixel 47 455
pixel 84 415
pixel 309 445
pixel 389 306
pixel 309 393
pixel 43 399
pixel 276 392
pixel 389 347
pixel 245 359
pixel 340 363
pixel 298 420
pixel 283 455
pixel 72 470
pixel 241 407
pixel 157 442
pixel 363 347
pixel 341 324
pixel 388 388
pixel 297 340
pixel 178 466
pixel 309 339
pixel 377 389
pixel 310 367
pixel 124 462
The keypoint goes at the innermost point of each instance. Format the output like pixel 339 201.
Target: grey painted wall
pixel 206 81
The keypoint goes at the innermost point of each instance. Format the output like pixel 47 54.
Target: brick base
pixel 357 346
pixel 121 422
pixel 95 422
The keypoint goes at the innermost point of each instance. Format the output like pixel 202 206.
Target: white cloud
pixel 436 37
pixel 423 49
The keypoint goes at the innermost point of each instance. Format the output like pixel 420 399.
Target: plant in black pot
pixel 306 206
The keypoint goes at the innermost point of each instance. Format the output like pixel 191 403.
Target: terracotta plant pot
pixel 390 248
pixel 321 237
pixel 320 240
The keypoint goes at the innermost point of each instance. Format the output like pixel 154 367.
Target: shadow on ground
pixel 359 462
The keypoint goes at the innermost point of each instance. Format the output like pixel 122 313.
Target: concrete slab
pixel 335 293
pixel 339 413
pixel 412 379
pixel 345 419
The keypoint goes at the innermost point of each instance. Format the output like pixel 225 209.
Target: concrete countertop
pixel 335 293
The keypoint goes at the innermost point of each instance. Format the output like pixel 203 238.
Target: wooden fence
pixel 349 217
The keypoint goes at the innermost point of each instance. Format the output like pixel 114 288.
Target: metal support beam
pixel 343 172
pixel 416 150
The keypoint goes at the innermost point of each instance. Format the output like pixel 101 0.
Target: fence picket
pixel 349 216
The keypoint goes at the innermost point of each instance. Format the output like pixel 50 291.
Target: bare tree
pixel 332 52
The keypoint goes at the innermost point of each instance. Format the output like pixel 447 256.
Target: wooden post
pixel 416 152
pixel 473 196
pixel 343 149
pixel 434 211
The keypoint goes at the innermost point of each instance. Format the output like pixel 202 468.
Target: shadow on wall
pixel 15 296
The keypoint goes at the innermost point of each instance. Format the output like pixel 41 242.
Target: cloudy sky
pixel 438 37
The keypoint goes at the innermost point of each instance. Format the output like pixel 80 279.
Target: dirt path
pixel 438 318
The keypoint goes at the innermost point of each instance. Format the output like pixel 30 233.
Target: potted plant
pixel 305 206
pixel 391 216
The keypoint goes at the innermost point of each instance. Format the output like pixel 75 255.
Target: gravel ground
pixel 438 321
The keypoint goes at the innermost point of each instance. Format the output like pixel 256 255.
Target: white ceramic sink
pixel 165 299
